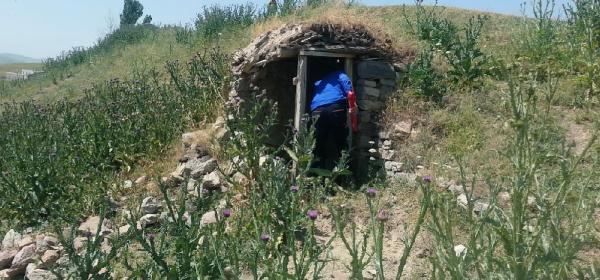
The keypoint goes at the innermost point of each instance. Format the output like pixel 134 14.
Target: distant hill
pixel 9 58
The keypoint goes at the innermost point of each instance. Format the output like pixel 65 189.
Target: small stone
pixel 460 250
pixel 6 258
pixel 368 69
pixel 462 201
pixel 9 273
pixel 25 241
pixel 393 166
pixel 211 181
pixel 147 220
pixel 127 184
pixel 388 154
pixel 34 273
pixel 457 189
pixel 402 129
pixel 200 167
pixel 150 205
pixel 240 178
pixel 24 257
pixel 90 227
pixel 11 239
pixel 141 180
pixel 49 258
pixel 388 82
pixel 123 229
pixel 262 160
pixel 79 243
pixel 480 207
pixel 208 218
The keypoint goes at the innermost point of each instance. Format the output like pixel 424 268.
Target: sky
pixel 44 28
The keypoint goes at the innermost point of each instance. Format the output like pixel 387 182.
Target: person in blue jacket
pixel 329 107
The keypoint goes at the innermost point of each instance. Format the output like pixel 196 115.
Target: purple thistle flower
pixel 226 212
pixel 294 189
pixel 427 179
pixel 265 237
pixel 382 215
pixel 312 214
pixel 371 192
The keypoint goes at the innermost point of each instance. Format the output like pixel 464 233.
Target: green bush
pixel 57 159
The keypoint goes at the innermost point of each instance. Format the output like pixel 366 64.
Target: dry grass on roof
pixel 342 16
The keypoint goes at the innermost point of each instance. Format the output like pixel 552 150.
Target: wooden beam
pixel 325 54
pixel 300 91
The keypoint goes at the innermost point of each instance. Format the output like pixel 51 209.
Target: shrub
pixel 56 160
pixel 215 19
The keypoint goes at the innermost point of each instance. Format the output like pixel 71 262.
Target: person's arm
pixel 346 83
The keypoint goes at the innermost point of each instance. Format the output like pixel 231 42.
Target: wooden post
pixel 300 91
pixel 348 68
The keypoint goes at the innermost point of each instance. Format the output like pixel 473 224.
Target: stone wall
pixel 375 81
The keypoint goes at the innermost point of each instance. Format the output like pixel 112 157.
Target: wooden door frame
pixel 301 77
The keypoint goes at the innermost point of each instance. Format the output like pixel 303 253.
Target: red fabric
pixel 353 110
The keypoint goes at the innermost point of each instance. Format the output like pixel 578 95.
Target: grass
pixel 504 133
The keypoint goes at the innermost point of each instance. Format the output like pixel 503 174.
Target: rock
pixel 460 250
pixel 127 184
pixel 49 258
pixel 147 220
pixel 402 129
pixel 388 154
pixel 150 205
pixel 11 239
pixel 79 242
pixel 462 201
pixel 123 229
pixel 211 181
pixel 9 273
pixel 369 105
pixel 172 180
pixel 25 241
pixel 34 273
pixel 368 69
pixel 141 180
pixel 6 258
pixel 480 207
pixel 221 134
pixel 368 83
pixel 388 82
pixel 393 166
pixel 90 227
pixel 457 189
pixel 197 168
pixel 208 218
pixel 362 91
pixel 24 257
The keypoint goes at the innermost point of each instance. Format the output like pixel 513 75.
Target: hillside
pixel 131 159
pixel 9 58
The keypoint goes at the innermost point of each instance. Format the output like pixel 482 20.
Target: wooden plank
pixel 300 91
pixel 349 69
pixel 325 54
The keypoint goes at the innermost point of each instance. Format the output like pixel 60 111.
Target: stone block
pixel 362 91
pixel 368 83
pixel 370 69
pixel 388 82
pixel 369 105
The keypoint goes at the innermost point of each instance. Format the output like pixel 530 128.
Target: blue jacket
pixel 331 89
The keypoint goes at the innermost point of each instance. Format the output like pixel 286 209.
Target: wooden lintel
pixel 325 53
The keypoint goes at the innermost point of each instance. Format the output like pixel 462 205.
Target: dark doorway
pixel 318 67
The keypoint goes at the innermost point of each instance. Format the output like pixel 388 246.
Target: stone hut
pixel 283 63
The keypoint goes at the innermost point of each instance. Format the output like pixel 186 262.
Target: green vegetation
pixel 487 94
